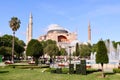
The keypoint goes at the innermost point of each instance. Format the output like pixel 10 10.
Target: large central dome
pixel 57 28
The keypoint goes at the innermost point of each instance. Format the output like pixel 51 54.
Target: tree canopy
pixel 6 51
pixel 77 51
pixel 35 49
pixel 14 23
pixel 62 52
pixel 50 47
pixel 85 50
pixel 115 44
pixel 51 50
pixel 6 43
pixel 101 56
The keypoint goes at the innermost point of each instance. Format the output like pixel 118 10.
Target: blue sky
pixel 74 15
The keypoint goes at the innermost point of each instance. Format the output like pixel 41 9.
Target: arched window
pixel 62 38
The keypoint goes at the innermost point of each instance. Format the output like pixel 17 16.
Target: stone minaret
pixel 29 28
pixel 89 33
pixel 27 35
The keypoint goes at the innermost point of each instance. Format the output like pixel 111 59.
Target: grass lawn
pixel 37 74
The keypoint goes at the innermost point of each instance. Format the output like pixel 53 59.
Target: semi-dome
pixel 57 28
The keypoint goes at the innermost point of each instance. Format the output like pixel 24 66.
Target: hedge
pixel 78 68
pixel 116 70
pixel 71 68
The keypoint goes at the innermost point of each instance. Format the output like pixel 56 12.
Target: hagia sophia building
pixel 62 36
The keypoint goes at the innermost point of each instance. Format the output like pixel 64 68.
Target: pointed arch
pixel 62 38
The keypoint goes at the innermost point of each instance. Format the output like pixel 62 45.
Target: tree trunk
pixel 36 61
pixel 103 75
pixel 13 43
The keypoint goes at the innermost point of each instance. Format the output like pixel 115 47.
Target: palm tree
pixel 14 25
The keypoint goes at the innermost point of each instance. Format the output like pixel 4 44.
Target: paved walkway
pixel 2 64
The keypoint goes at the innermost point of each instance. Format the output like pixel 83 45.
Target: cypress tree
pixel 101 56
pixel 77 50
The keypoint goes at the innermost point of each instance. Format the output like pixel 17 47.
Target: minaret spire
pixel 89 32
pixel 27 34
pixel 29 28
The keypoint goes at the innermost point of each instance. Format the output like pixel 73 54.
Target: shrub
pixel 78 68
pixel 52 70
pixel 71 68
pixel 116 70
pixel 83 61
pixel 59 70
pixel 83 69
pixel 55 70
pixel 65 70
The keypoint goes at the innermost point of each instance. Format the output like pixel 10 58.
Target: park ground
pixel 8 73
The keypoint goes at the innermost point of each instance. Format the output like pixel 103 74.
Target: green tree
pixel 77 51
pixel 115 44
pixel 94 48
pixel 62 51
pixel 19 49
pixel 49 41
pixel 51 50
pixel 101 56
pixel 21 42
pixel 6 52
pixel 50 47
pixel 85 50
pixel 6 41
pixel 34 49
pixel 14 25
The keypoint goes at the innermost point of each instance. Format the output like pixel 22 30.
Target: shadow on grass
pixel 92 71
pixel 109 73
pixel 4 72
pixel 66 71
